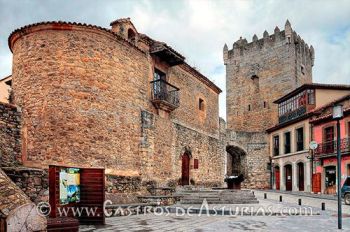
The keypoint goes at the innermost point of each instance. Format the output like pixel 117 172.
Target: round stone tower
pixel 80 88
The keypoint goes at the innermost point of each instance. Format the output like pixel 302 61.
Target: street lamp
pixel 337 115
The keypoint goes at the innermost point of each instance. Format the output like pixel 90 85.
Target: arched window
pixel 255 79
pixel 131 35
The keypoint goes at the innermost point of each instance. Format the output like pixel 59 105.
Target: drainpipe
pixel 271 173
pixel 312 158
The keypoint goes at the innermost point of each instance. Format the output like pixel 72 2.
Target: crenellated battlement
pixel 279 38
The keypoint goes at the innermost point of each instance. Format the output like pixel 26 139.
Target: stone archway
pixel 236 161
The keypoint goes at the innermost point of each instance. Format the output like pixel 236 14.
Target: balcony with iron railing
pixel 296 106
pixel 165 96
pixel 329 149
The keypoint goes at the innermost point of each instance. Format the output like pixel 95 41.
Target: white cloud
pixel 204 27
pixel 199 28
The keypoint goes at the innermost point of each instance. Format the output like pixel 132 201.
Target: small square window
pixel 201 104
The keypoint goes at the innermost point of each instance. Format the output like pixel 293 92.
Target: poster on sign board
pixel 69 189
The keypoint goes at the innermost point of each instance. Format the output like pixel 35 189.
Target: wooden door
pixel 185 170
pixel 316 183
pixel 288 177
pixel 301 176
pixel 92 187
pixel 277 178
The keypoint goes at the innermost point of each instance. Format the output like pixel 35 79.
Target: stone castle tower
pixel 259 72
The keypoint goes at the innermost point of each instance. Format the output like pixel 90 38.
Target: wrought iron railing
pixel 330 148
pixel 164 91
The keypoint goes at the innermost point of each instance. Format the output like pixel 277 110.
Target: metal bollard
pixel 265 195
pixel 280 198
pixel 323 206
pixel 299 201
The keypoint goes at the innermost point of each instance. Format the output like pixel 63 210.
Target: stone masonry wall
pixel 10 140
pixel 81 90
pixel 11 196
pixel 17 212
pixel 125 189
pixel 207 149
pixel 164 143
pixel 191 89
pixel 33 182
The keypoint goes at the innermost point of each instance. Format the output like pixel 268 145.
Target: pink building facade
pixel 324 132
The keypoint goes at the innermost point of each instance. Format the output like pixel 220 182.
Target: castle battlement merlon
pixel 242 47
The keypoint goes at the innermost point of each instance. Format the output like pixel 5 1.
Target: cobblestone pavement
pixel 318 222
pixel 305 194
pixel 307 200
pixel 151 222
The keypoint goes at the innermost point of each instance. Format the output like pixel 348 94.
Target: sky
pixel 198 29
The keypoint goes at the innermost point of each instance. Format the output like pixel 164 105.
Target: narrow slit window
pixel 201 104
pixel 195 164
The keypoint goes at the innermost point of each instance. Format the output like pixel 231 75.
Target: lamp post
pixel 313 145
pixel 337 115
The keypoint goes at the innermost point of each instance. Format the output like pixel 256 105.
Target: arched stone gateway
pixel 236 161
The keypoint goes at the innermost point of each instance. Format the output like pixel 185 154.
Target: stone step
pixel 159 199
pixel 217 197
pixel 130 205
